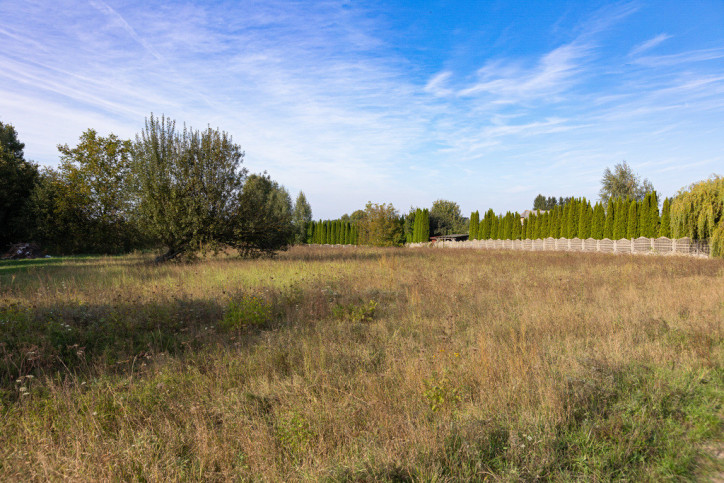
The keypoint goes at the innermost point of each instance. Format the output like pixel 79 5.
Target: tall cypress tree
pixel 584 221
pixel 517 227
pixel 555 222
pixel 621 219
pixel 488 228
pixel 633 226
pixel 654 218
pixel 665 228
pixel 642 214
pixel 474 222
pixel 530 226
pixel 597 223
pixel 608 223
pixel 425 225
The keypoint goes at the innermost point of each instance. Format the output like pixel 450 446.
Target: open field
pixel 356 364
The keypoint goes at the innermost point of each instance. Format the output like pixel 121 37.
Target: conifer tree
pixel 488 226
pixel 494 228
pixel 425 229
pixel 517 227
pixel 555 222
pixel 654 218
pixel 621 219
pixel 585 219
pixel 598 221
pixel 665 228
pixel 530 226
pixel 609 221
pixel 526 228
pixel 474 225
pixel 633 226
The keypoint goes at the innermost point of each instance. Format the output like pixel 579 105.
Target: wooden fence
pixel 646 246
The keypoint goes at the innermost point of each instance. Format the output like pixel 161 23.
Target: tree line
pixel 578 218
pixel 183 190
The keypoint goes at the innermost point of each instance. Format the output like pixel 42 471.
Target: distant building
pixel 526 214
pixel 459 237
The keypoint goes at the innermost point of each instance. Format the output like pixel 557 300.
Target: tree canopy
pixel 17 179
pixel 623 183
pixel 446 218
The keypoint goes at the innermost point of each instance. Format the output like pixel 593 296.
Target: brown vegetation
pixel 354 364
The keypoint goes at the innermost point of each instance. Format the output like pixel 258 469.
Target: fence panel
pixel 641 245
pixel 605 245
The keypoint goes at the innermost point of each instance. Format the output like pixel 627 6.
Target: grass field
pixel 356 364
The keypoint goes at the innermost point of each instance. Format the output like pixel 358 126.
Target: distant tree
pixel 189 190
pixel 598 222
pixel 585 218
pixel 698 212
pixel 665 227
pixel 539 203
pixel 357 216
pixel 301 218
pixel 609 222
pixel 17 179
pixel 262 219
pixel 622 182
pixel 474 224
pixel 410 226
pixel 446 219
pixel 654 218
pixel 90 197
pixel 381 226
pixel 632 227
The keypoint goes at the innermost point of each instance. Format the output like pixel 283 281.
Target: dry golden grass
pixel 371 365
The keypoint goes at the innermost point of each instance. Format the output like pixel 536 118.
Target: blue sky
pixel 485 103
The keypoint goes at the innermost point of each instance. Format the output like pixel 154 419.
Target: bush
pixel 248 311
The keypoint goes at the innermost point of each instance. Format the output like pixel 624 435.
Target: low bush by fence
pixel 642 245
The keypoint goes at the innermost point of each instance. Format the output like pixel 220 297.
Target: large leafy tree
pixel 17 179
pixel 623 183
pixel 301 218
pixel 261 220
pixel 188 185
pixel 446 218
pixel 381 226
pixel 89 196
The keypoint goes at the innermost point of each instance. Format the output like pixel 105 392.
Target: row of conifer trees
pixel 332 232
pixel 621 218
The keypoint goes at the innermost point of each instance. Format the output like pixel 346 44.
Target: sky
pixel 486 103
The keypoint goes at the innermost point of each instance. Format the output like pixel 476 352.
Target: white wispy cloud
pixel 649 44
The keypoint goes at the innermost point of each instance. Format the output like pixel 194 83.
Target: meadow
pixel 362 364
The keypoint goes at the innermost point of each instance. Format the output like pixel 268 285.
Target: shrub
pixel 248 311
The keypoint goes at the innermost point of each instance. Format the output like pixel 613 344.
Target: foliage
pixel 187 185
pixel 446 219
pixel 246 311
pixel 261 222
pixel 17 179
pixel 301 218
pixel 541 203
pixel 697 212
pixel 86 206
pixel 381 226
pixel 665 227
pixel 622 182
pixel 474 225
